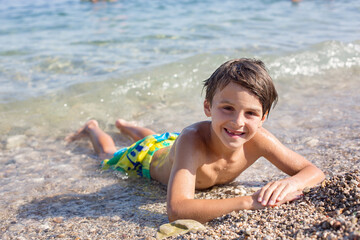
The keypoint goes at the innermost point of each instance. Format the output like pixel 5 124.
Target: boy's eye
pixel 228 108
pixel 252 113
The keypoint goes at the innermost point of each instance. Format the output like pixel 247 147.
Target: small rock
pixel 115 219
pixel 241 191
pixel 325 225
pixel 15 141
pixel 306 190
pixel 12 161
pixel 248 232
pixel 312 142
pixel 44 227
pixel 179 227
pixel 336 225
pixel 355 235
pixel 228 192
pixel 58 219
pixel 16 227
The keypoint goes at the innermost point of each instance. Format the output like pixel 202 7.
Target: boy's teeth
pixel 232 132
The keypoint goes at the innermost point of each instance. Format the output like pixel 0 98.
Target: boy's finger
pixel 268 193
pixel 262 192
pixel 275 194
pixel 283 193
pixel 291 196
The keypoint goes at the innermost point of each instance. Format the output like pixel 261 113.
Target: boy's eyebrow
pixel 254 109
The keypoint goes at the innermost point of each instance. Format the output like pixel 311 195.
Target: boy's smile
pixel 236 115
pixel 234 133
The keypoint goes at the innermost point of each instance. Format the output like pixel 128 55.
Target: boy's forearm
pixel 308 177
pixel 204 210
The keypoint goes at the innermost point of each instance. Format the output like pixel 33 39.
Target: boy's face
pixel 236 115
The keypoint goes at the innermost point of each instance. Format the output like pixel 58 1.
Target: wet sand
pixel 56 191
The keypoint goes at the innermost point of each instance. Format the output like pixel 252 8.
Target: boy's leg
pixel 135 132
pixel 103 144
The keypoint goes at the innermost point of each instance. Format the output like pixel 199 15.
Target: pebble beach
pixel 69 197
pixel 63 62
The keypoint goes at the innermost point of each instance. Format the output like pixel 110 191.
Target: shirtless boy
pixel 239 96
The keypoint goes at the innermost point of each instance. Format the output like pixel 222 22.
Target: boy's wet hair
pixel 250 74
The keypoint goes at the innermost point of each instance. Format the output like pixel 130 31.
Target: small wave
pixel 317 59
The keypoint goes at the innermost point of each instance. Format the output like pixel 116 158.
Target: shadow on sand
pixel 132 200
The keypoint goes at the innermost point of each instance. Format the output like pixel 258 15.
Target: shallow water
pixel 64 62
pixel 48 46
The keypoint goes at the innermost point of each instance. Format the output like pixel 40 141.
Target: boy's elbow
pixel 173 212
pixel 185 210
pixel 172 217
pixel 178 210
pixel 321 175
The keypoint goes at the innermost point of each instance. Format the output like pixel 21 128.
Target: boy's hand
pixel 278 192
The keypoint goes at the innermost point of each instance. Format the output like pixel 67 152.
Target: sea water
pixel 63 62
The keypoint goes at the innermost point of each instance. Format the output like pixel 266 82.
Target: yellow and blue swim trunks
pixel 137 158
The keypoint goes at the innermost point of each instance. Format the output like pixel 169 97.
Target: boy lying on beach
pixel 239 96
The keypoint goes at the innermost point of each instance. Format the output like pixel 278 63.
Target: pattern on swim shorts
pixel 136 159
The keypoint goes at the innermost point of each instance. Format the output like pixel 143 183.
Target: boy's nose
pixel 239 120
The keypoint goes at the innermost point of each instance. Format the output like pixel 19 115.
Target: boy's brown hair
pixel 250 74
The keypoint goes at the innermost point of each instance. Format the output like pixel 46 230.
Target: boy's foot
pixel 121 124
pixel 133 131
pixel 82 132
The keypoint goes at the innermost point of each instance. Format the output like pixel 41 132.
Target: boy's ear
pixel 207 108
pixel 263 118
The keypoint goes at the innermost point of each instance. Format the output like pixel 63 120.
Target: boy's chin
pixel 236 144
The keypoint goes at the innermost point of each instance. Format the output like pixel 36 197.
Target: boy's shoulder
pixel 196 132
pixel 198 128
pixel 195 136
pixel 263 142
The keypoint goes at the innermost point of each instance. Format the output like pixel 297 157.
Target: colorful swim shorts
pixel 137 158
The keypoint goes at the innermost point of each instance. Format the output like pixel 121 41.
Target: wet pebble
pixel 58 220
pixel 15 141
pixel 115 218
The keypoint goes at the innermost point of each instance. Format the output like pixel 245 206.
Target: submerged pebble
pixel 15 141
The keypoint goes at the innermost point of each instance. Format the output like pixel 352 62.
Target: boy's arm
pixel 303 173
pixel 181 187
